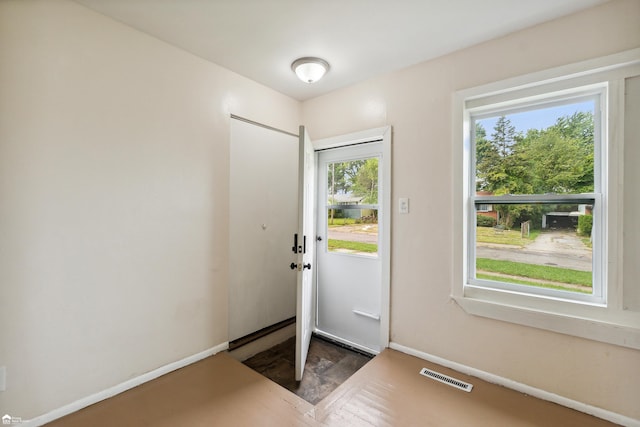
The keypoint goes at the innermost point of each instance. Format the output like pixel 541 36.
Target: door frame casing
pixel 384 135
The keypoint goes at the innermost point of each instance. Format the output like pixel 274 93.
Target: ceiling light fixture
pixel 310 69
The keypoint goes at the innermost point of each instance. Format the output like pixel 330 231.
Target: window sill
pixel 594 322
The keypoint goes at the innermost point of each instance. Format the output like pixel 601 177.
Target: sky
pixel 537 119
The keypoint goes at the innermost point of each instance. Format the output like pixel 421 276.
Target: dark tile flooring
pixel 328 366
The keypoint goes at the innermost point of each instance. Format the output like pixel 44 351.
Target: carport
pixel 560 220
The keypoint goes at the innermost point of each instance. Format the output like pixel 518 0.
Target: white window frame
pixel 600 317
pixel 596 93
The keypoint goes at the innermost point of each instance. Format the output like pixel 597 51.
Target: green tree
pixel 559 159
pixel 580 128
pixel 501 166
pixel 486 157
pixel 366 181
pixel 559 164
pixel 341 176
pixel 504 136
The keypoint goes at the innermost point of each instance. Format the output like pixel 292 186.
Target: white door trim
pixel 382 134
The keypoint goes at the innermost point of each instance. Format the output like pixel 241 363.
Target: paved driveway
pixel 559 248
pixel 365 233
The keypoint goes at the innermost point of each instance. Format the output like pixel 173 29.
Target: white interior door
pixel 304 247
pixel 263 218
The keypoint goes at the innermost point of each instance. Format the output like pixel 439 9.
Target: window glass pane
pixel 541 245
pixel 538 151
pixel 353 231
pixel 353 183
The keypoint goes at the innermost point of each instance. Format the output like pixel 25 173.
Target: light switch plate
pixel 403 205
pixel 3 378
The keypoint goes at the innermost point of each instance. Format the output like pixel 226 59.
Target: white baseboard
pixel 119 388
pixel 522 388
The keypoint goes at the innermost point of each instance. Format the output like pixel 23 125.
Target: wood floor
pixel 328 365
pixel 387 391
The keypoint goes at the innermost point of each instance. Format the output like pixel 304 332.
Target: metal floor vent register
pixel 445 379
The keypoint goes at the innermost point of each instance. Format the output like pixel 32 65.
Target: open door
pixel 305 244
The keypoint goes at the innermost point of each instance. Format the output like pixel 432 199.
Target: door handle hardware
pixel 293 266
pixel 365 314
pixel 304 244
pixel 319 238
pixel 306 266
pixel 295 244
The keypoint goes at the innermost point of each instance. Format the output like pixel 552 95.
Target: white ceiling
pixel 359 38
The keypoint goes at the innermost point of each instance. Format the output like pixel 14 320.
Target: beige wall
pixel 417 102
pixel 114 202
pixel 114 197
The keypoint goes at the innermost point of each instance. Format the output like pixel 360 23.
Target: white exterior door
pixel 349 245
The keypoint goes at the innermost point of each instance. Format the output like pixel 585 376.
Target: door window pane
pixel 353 231
pixel 352 207
pixel 353 183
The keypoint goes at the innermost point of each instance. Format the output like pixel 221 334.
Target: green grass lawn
pixel 338 222
pixel 505 237
pixel 352 246
pixel 531 271
pixel 584 290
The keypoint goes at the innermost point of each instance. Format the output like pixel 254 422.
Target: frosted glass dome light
pixel 310 69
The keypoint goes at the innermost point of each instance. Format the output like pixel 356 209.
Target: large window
pixel 537 165
pixel 542 174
